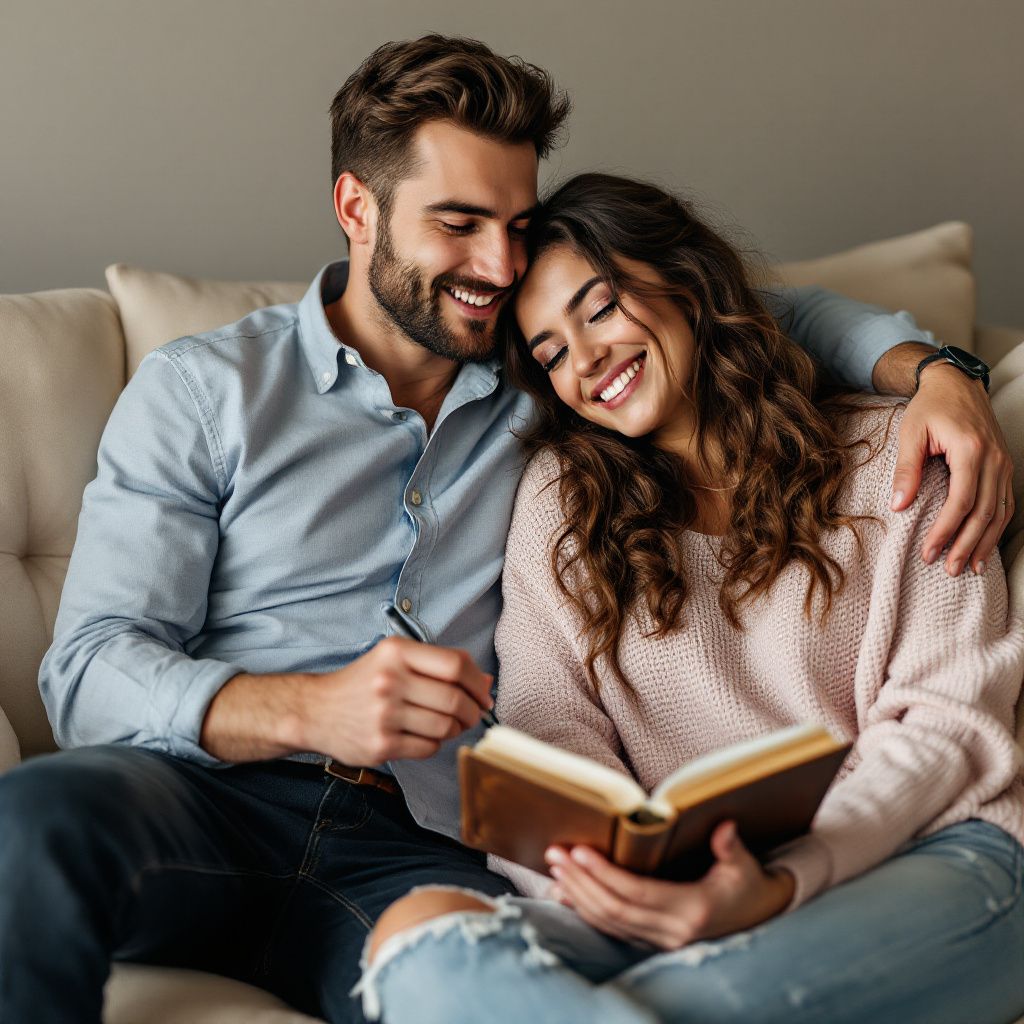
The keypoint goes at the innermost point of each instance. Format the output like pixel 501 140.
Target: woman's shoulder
pixel 870 428
pixel 538 509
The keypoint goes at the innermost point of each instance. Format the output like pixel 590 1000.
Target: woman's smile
pixel 616 387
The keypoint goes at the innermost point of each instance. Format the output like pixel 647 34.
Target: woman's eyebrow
pixel 574 303
pixel 570 307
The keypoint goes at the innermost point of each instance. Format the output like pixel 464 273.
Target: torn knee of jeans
pixel 473 925
pixel 420 906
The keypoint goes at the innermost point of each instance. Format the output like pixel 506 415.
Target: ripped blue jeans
pixel 935 934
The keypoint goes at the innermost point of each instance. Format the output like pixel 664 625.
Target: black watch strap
pixel 967 363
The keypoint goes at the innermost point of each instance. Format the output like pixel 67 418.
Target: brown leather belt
pixel 362 776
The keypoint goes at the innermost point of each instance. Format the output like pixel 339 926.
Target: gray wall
pixel 192 135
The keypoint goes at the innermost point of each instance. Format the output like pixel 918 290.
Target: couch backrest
pixel 62 366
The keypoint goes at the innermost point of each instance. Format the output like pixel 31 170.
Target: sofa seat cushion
pixel 139 994
pixel 61 370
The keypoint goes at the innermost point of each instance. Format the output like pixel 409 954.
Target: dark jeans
pixel 272 873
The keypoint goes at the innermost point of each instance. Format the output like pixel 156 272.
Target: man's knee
pixel 421 906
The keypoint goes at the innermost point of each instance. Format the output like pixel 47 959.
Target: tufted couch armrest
pixel 10 752
pixel 62 355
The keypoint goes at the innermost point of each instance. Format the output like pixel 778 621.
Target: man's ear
pixel 354 207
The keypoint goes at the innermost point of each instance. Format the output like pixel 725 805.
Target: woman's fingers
pixel 627 907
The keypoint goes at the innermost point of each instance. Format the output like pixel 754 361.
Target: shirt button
pixel 350 359
pixel 406 605
pixel 416 498
pixel 325 377
pixel 401 416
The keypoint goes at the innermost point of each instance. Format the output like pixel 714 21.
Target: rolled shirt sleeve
pixel 137 585
pixel 847 337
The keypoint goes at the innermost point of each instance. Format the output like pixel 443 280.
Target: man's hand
pixel 402 699
pixel 951 416
pixel 736 894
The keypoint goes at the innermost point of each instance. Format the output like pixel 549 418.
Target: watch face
pixel 967 361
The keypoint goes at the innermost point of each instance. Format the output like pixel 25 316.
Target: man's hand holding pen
pixel 402 699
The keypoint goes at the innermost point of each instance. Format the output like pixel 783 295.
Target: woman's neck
pixel 710 485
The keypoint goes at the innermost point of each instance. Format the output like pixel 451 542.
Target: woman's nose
pixel 587 356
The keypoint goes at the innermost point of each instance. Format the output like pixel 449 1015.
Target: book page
pixel 512 747
pixel 720 762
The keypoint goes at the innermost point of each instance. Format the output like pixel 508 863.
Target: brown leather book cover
pixel 518 816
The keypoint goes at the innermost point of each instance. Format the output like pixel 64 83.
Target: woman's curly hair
pixel 626 501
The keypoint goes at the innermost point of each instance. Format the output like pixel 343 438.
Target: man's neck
pixel 417 378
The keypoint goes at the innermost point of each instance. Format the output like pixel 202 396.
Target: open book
pixel 521 795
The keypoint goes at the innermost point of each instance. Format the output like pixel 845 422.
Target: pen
pixel 403 627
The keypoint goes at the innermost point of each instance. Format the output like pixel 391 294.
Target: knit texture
pixel 921 671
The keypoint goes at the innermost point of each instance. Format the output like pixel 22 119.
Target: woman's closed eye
pixel 556 359
pixel 550 362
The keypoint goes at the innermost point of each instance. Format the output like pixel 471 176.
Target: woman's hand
pixel 735 894
pixel 952 416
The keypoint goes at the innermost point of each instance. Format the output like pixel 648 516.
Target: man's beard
pixel 416 309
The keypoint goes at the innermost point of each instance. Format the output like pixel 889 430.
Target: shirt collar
pixel 319 344
pixel 322 347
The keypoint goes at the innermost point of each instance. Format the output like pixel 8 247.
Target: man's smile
pixel 478 305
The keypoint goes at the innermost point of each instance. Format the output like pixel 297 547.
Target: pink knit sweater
pixel 922 670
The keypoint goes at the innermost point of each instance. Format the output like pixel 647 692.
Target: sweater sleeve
pixel 938 674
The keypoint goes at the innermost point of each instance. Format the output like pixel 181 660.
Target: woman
pixel 702 552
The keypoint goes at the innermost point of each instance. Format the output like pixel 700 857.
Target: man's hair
pixel 401 85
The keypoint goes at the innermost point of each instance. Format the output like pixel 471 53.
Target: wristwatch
pixel 965 362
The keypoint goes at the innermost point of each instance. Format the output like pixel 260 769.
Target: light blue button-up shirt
pixel 253 511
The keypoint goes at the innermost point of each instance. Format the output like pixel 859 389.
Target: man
pixel 259 769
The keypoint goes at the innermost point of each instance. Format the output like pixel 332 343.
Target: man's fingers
pixel 963 490
pixel 444 698
pixel 913 450
pixel 413 748
pixel 431 725
pixel 986 511
pixel 982 553
pixel 447 665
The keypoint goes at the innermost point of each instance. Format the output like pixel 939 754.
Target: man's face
pixel 453 247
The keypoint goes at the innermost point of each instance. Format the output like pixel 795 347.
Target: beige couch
pixel 64 358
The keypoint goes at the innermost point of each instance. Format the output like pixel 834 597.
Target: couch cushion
pixel 157 307
pixel 139 994
pixel 927 273
pixel 61 369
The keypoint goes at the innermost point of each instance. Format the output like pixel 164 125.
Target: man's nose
pixel 496 262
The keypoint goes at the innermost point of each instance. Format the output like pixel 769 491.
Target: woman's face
pixel 601 363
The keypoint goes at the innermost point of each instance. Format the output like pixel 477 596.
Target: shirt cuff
pixel 876 338
pixel 808 860
pixel 208 677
